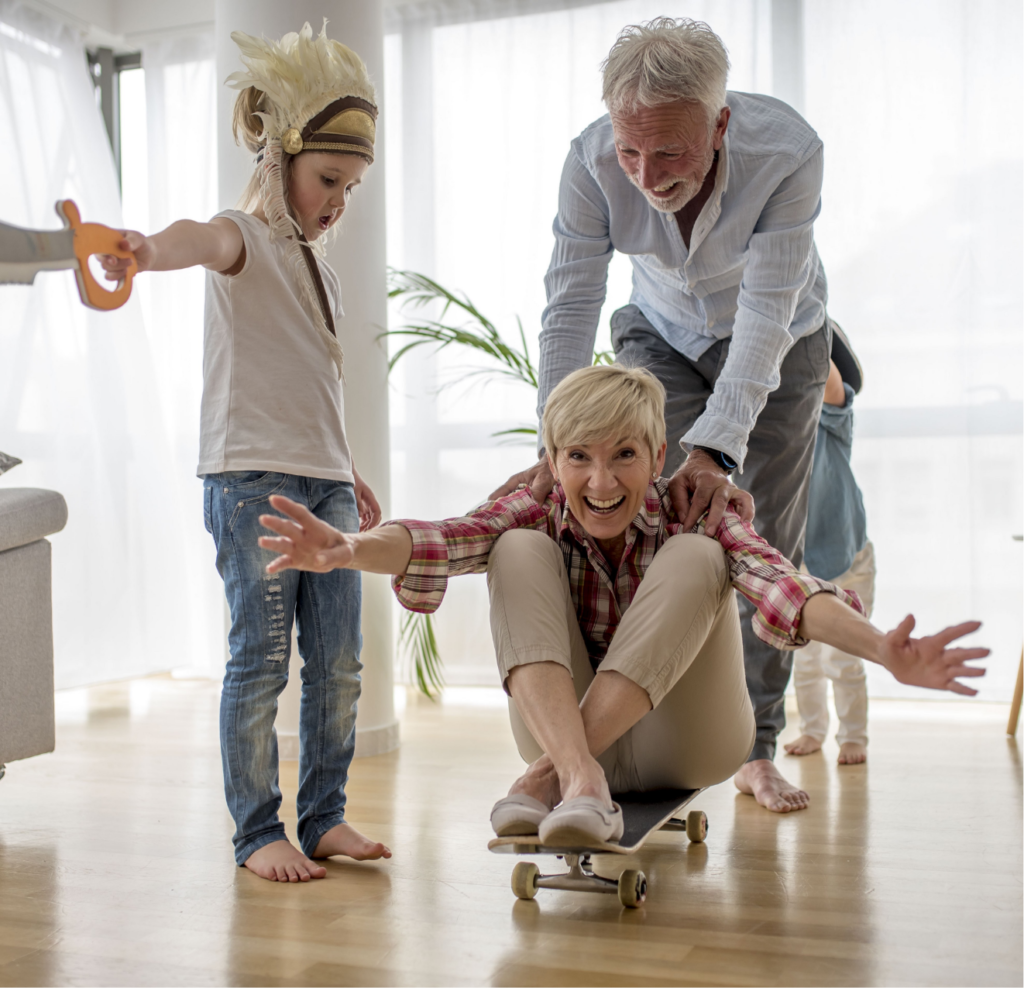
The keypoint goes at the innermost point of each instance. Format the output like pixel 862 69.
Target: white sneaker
pixel 517 814
pixel 581 822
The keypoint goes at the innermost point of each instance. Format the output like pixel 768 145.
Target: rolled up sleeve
pixel 423 584
pixel 781 262
pixel 772 583
pixel 456 546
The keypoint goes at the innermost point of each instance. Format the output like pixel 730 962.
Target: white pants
pixel 815 664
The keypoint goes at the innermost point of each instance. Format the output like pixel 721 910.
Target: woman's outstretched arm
pixel 915 661
pixel 305 542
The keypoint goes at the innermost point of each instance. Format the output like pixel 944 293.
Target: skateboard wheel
pixel 632 888
pixel 696 825
pixel 524 879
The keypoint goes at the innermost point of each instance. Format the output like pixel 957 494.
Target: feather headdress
pixel 317 97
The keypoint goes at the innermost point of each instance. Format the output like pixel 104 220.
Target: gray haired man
pixel 713 196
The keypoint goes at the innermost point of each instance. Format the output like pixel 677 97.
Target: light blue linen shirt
pixel 752 271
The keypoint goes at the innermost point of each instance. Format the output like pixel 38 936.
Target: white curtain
pixel 919 105
pixel 169 172
pixel 79 389
pixel 478 116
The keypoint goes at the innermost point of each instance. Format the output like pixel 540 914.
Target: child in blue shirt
pixel 837 549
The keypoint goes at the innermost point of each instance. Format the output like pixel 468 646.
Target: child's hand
pixel 369 509
pixel 140 246
pixel 927 662
pixel 305 542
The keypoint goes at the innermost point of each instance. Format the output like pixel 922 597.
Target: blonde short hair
pixel 602 403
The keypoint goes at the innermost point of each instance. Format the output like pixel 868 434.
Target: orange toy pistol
pixel 24 252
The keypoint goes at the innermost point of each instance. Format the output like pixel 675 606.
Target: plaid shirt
pixel 601 595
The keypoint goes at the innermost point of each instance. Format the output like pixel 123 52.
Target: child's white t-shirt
pixel 271 395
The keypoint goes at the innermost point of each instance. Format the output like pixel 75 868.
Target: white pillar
pixel 358 256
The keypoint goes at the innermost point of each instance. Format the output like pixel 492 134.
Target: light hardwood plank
pixel 115 865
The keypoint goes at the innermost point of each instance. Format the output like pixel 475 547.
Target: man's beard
pixel 685 188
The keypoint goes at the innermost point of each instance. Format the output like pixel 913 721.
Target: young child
pixel 837 549
pixel 272 422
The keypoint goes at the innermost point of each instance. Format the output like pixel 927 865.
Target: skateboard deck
pixel 643 813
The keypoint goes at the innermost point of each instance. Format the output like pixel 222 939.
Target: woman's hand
pixel 304 542
pixel 927 661
pixel 139 245
pixel 369 509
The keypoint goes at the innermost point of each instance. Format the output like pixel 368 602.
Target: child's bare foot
pixel 344 839
pixel 803 745
pixel 852 753
pixel 279 861
pixel 762 780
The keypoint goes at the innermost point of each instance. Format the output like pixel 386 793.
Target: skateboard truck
pixel 631 886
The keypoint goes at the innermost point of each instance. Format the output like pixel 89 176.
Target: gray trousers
pixel 776 472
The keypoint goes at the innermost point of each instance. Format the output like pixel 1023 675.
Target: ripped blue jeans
pixel 327 608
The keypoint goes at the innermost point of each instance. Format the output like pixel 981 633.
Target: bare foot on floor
pixel 852 753
pixel 762 780
pixel 344 839
pixel 803 745
pixel 540 781
pixel 279 861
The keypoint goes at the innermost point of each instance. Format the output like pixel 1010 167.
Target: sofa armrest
pixel 28 514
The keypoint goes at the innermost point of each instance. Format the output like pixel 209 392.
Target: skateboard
pixel 642 812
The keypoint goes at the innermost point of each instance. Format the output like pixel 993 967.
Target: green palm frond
pixel 459 323
pixel 474 329
pixel 416 637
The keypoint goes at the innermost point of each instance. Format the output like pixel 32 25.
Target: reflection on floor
pixel 115 865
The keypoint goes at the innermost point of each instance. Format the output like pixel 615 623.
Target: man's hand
pixel 538 478
pixel 369 509
pixel 700 485
pixel 305 542
pixel 926 661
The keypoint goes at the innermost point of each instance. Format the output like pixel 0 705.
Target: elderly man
pixel 713 196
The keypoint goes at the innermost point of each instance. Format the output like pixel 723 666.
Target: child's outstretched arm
pixel 305 542
pixel 217 245
pixel 915 661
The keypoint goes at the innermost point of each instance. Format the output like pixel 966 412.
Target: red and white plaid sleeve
pixel 460 545
pixel 770 581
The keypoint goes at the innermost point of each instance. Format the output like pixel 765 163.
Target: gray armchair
pixel 27 516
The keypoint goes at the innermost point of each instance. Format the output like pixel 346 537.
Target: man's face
pixel 666 151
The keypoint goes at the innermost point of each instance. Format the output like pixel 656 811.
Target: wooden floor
pixel 115 865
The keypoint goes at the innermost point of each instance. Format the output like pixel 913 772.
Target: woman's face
pixel 605 483
pixel 320 185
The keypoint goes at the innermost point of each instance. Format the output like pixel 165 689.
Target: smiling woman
pixel 617 633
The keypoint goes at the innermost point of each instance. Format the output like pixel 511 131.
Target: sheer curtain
pixel 79 393
pixel 169 172
pixel 479 116
pixel 919 105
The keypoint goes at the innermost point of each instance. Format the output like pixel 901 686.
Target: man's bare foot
pixel 803 745
pixel 279 861
pixel 540 781
pixel 852 753
pixel 344 839
pixel 762 780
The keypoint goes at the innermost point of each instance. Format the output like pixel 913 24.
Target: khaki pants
pixel 679 640
pixel 817 663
